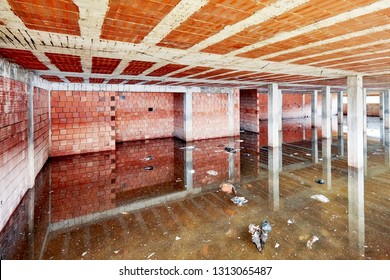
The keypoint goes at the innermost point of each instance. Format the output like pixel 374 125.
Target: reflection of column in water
pixel 356 221
pixel 188 169
pixel 387 155
pixel 231 160
pixel 327 161
pixel 314 144
pixel 31 208
pixel 273 177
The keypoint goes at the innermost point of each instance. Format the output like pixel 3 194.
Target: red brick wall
pixel 135 122
pixel 82 121
pixel 210 117
pixel 41 128
pixel 82 184
pixel 293 106
pixel 13 145
pixel 249 110
pixel 178 105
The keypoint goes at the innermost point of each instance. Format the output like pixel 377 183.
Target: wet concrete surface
pixel 108 206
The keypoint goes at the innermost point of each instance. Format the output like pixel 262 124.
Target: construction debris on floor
pixel 260 234
pixel 320 197
pixel 239 200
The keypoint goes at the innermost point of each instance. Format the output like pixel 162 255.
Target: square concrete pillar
pixel 274 115
pixel 355 122
pixel 340 113
pixel 365 130
pixel 326 113
pixel 381 114
pixel 314 110
pixel 188 116
pixel 30 148
pixel 340 123
pixel 386 116
pixel 231 112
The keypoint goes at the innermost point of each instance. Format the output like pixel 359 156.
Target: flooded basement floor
pixel 154 199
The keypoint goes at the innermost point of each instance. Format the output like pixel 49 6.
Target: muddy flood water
pixel 158 199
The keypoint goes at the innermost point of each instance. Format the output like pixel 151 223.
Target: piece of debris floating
pixel 260 234
pixel 177 238
pixel 149 158
pixel 191 171
pixel 277 245
pixel 320 197
pixel 148 167
pixel 239 200
pixel 246 154
pixel 230 150
pixel 239 140
pixel 212 172
pixel 320 181
pixel 227 188
pixel 310 242
pixel 188 148
pixel 289 222
pixel 151 255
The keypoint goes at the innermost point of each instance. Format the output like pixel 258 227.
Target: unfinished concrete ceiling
pixel 228 43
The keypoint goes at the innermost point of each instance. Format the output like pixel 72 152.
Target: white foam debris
pixel 310 242
pixel 320 197
pixel 83 254
pixel 290 221
pixel 178 238
pixel 212 172
pixel 151 255
pixel 277 245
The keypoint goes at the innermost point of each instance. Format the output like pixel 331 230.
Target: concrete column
pixel 280 125
pixel 340 113
pixel 314 102
pixel 304 123
pixel 355 121
pixel 273 177
pixel 340 123
pixel 365 131
pixel 381 114
pixel 356 221
pixel 314 129
pixel 326 113
pixel 274 115
pixel 188 115
pixel 231 112
pixel 386 116
pixel 327 161
pixel 49 110
pixel 30 148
